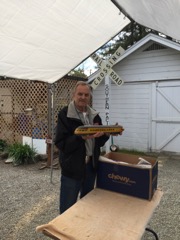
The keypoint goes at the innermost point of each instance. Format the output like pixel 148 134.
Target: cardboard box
pixel 120 172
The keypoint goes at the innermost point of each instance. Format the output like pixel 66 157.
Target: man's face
pixel 82 97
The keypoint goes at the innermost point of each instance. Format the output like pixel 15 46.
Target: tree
pixel 78 72
pixel 132 33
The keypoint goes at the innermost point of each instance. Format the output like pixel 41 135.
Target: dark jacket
pixel 72 147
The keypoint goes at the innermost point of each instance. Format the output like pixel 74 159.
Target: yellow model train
pixel 92 129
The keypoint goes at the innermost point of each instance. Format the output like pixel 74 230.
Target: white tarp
pixel 160 15
pixel 45 39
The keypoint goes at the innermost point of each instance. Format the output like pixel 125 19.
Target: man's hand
pixel 96 135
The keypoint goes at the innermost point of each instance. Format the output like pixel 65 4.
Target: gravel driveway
pixel 29 199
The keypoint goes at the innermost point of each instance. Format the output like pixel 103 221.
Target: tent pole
pixel 52 130
pixel 49 160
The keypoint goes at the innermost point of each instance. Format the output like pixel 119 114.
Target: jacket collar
pixel 74 113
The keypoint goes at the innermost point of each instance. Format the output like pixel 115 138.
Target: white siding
pixel 160 64
pixel 129 106
pixel 151 121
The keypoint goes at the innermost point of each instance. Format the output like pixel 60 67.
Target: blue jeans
pixel 70 188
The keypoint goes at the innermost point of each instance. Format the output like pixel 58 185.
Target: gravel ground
pixel 29 199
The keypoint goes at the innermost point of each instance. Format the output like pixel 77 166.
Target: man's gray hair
pixel 82 83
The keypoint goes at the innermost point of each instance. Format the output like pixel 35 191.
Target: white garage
pixel 148 103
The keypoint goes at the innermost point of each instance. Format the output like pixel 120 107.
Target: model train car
pixel 92 129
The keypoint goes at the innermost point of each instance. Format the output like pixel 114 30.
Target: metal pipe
pixel 52 129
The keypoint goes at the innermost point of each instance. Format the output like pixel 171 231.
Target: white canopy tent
pixel 162 15
pixel 44 39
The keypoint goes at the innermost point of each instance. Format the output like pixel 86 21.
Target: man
pixel 78 154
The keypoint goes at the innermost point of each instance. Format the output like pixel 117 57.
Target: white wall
pixel 130 106
pixel 162 64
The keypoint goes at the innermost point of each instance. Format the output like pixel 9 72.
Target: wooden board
pixel 103 215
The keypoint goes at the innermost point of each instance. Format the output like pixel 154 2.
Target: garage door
pixel 165 134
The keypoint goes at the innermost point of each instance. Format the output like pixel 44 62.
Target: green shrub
pixel 21 154
pixel 3 145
